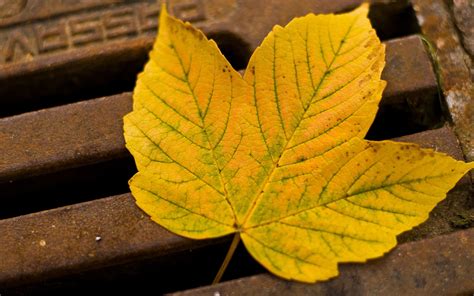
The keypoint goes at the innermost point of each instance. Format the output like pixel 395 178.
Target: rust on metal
pixel 437 266
pixel 463 12
pixel 455 67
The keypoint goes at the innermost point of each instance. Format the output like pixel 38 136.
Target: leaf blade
pixel 365 203
pixel 179 101
pixel 305 81
pixel 314 129
pixel 278 155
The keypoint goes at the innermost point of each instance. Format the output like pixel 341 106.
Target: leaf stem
pixel 228 256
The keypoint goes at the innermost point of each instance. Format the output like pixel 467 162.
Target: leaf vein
pixel 181 207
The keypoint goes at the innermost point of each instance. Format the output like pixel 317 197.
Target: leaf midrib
pixel 383 187
pixel 316 91
pixel 211 147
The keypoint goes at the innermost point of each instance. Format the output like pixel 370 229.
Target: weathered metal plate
pixel 33 28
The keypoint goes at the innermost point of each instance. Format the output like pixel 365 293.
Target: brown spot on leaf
pixel 301 158
pixel 373 53
pixel 364 79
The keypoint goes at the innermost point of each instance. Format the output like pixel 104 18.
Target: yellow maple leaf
pixel 278 156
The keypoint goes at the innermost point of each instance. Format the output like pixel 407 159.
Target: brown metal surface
pixel 53 139
pixel 455 67
pixel 82 237
pixel 57 51
pixel 437 266
pixel 87 132
pixel 412 89
pixel 106 232
pixel 441 140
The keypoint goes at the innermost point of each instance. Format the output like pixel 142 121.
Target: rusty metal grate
pixel 67 221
